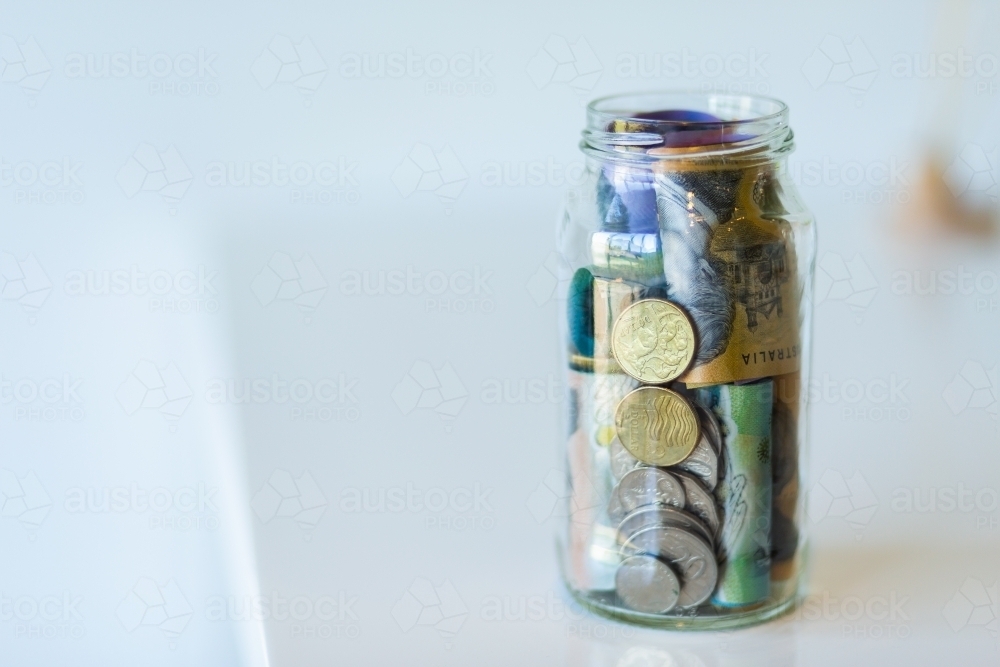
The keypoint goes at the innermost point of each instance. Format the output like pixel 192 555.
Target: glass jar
pixel 689 261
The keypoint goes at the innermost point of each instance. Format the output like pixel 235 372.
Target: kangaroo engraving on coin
pixel 653 341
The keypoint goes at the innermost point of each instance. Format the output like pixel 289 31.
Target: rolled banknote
pixel 785 476
pixel 634 257
pixel 679 128
pixel 731 269
pixel 611 297
pixel 626 200
pixel 592 557
pixel 591 541
pixel 600 394
pixel 744 493
pixel 690 206
pixel 580 312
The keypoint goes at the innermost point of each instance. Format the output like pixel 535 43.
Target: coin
pixel 669 517
pixel 653 341
pixel 621 460
pixel 657 426
pixel 615 510
pixel 689 554
pixel 650 486
pixel 703 462
pixel 700 502
pixel 647 584
pixel 710 425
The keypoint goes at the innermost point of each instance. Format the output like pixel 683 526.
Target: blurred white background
pixel 201 201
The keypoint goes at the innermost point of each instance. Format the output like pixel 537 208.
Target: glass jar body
pixel 686 329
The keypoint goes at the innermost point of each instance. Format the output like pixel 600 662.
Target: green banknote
pixel 744 493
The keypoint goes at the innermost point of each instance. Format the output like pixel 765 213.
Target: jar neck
pixel 684 130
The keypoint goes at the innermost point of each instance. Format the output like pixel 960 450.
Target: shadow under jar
pixel 689 259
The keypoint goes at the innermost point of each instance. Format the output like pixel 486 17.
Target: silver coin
pixel 621 460
pixel 615 510
pixel 710 424
pixel 703 463
pixel 647 584
pixel 668 517
pixel 690 555
pixel 650 486
pixel 700 502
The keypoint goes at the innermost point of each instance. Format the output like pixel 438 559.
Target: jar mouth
pixel 662 125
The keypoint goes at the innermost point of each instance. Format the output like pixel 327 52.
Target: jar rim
pixel 710 102
pixel 658 125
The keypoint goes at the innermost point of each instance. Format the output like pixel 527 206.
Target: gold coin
pixel 657 426
pixel 653 341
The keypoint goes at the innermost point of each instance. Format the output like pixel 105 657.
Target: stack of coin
pixel 686 554
pixel 659 529
pixel 665 458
